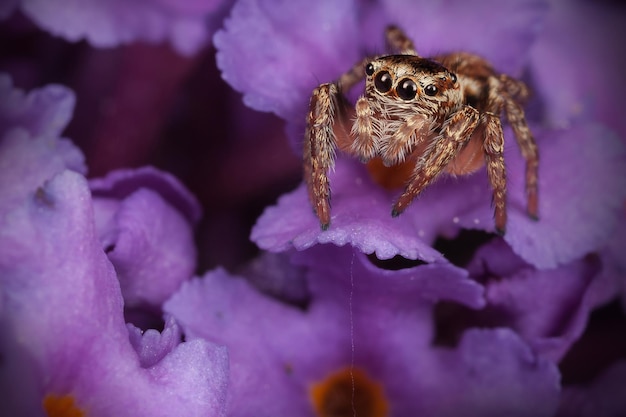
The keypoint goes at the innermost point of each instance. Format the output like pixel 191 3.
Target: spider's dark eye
pixel 430 90
pixel 407 89
pixel 453 77
pixel 383 81
pixel 369 69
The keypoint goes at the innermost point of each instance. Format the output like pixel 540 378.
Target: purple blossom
pixel 188 25
pixel 98 307
pixel 373 320
pixel 64 339
pixel 154 254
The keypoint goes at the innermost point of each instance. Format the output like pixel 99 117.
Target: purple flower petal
pixel 582 187
pixel 151 246
pixel 361 216
pixel 152 346
pixel 328 264
pixel 568 90
pixel 30 150
pixel 63 306
pixel 496 374
pixel 603 397
pixel 121 183
pixel 547 308
pixel 275 52
pixel 376 320
pixel 504 36
pixel 111 23
pixel 47 110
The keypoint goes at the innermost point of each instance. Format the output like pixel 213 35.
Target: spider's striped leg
pixel 399 42
pixel 319 148
pixel 455 133
pixel 528 147
pixel 493 145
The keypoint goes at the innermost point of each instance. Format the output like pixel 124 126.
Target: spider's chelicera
pixel 431 115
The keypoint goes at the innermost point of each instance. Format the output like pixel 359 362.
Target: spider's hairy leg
pixel 319 148
pixel 355 74
pixel 398 41
pixel 455 133
pixel 516 89
pixel 528 147
pixel 493 146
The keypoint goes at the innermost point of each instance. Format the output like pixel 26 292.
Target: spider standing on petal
pixel 426 115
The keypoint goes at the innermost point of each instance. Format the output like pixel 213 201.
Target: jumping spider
pixel 436 115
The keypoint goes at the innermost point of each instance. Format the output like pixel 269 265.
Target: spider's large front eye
pixel 369 69
pixel 407 89
pixel 430 90
pixel 383 81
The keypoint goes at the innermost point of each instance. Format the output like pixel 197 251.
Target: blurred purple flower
pixel 188 24
pixel 152 254
pixel 375 322
pixel 65 345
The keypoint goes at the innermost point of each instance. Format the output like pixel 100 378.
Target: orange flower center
pixel 61 406
pixel 349 392
pixel 392 177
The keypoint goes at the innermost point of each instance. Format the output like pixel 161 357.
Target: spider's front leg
pixel 455 133
pixel 325 132
pixel 319 148
pixel 493 146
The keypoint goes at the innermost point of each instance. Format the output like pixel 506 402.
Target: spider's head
pixel 409 81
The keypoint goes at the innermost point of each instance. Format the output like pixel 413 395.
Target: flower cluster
pixel 104 309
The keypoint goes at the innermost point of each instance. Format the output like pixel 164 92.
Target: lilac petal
pixel 273 274
pixel 496 374
pixel 152 346
pixel 603 397
pixel 581 191
pixel 121 183
pixel 275 51
pixel 507 28
pixel 582 188
pixel 277 351
pixel 361 216
pixel 30 150
pixel 548 308
pixel 152 249
pixel 64 307
pixel 329 265
pixel 26 162
pixel 614 263
pixel 567 90
pixel 112 23
pixel 42 112
pixel 225 310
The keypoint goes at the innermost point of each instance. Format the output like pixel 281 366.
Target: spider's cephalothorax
pixel 436 115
